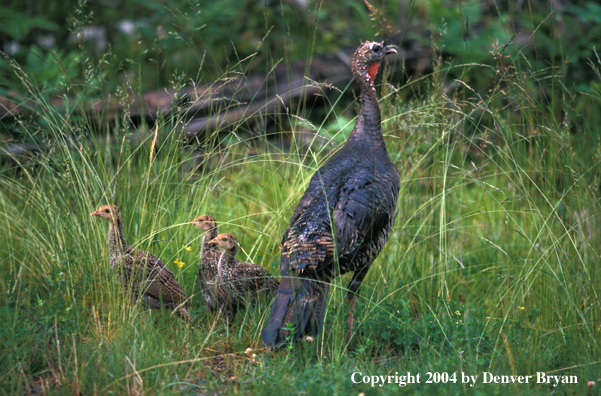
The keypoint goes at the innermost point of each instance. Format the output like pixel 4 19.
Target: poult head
pixel 226 241
pixel 205 222
pixel 108 212
pixel 366 61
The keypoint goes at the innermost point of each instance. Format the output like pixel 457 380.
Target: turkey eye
pixel 224 239
pixel 376 48
pixel 107 211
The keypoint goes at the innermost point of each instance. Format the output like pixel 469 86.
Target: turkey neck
pixel 227 262
pixel 117 244
pixel 206 248
pixel 368 130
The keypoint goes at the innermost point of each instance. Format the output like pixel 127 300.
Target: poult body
pixel 239 283
pixel 209 257
pixel 143 276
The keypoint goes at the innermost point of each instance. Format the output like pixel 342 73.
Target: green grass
pixel 492 264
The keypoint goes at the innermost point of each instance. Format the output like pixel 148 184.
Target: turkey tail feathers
pixel 297 311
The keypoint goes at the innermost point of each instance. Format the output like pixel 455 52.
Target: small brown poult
pixel 239 283
pixel 143 276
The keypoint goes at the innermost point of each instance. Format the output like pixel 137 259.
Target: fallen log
pixel 234 101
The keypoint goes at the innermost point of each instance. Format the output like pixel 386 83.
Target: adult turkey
pixel 342 221
pixel 143 276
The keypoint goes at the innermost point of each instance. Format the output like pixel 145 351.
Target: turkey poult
pixel 143 276
pixel 239 283
pixel 342 221
pixel 209 257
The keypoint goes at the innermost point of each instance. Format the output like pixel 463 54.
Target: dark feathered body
pixel 341 223
pixel 143 276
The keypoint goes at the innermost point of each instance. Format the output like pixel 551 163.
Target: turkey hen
pixel 143 276
pixel 209 257
pixel 342 221
pixel 239 284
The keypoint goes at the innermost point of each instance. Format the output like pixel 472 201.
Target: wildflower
pixel 591 384
pixel 179 263
pixel 521 308
pixel 189 248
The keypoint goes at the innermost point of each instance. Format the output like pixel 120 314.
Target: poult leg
pixel 227 315
pixel 184 314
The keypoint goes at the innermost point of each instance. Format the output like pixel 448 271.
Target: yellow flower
pixel 188 248
pixel 520 307
pixel 179 263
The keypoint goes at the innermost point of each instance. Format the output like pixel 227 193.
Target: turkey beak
pixel 213 242
pixel 95 213
pixel 388 51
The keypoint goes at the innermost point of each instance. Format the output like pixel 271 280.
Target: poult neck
pixel 205 247
pixel 116 239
